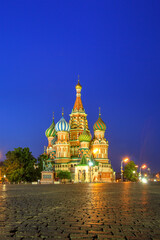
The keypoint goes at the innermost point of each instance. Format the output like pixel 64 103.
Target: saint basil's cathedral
pixel 72 148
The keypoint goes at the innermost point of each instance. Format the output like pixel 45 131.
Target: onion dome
pixel 85 136
pixel 78 86
pixel 62 125
pixel 50 132
pixel 99 124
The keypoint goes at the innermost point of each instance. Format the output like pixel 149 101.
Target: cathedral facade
pixel 72 148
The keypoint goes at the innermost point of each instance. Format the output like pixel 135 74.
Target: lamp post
pixel 140 171
pixel 124 160
pixel 94 151
pixel 90 165
pixel 4 179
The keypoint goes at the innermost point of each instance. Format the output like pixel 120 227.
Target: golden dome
pixel 78 86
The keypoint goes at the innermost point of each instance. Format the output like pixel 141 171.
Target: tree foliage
pixel 64 175
pixel 130 172
pixel 20 165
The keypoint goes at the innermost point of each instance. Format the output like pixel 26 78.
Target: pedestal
pixel 47 177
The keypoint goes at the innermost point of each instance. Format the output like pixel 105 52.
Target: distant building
pixel 72 148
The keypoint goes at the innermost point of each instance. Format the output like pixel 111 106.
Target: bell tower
pixel 78 121
pixel 62 144
pixel 99 142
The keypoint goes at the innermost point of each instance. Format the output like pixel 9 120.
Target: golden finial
pixel 99 111
pixel 62 111
pixel 53 115
pixel 78 86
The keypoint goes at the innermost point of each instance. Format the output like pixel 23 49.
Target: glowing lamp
pixel 144 166
pixel 95 150
pixel 144 180
pixel 90 164
pixel 125 160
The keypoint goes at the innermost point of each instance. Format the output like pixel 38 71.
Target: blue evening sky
pixel 113 45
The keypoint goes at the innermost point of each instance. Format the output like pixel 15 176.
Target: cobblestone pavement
pixel 80 211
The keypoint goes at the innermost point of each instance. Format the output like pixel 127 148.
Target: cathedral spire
pixel 99 112
pixel 78 86
pixel 78 103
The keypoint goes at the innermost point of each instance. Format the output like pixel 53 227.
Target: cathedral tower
pixel 99 142
pixel 84 139
pixel 78 121
pixel 62 144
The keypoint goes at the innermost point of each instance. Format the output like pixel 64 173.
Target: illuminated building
pixel 72 148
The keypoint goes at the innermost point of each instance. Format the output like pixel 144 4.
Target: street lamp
pixel 124 160
pixel 142 167
pixel 90 165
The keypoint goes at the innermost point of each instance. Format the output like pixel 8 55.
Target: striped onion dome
pixel 62 125
pixel 50 132
pixel 99 124
pixel 85 136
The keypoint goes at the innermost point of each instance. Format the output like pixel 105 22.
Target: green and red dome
pixel 99 125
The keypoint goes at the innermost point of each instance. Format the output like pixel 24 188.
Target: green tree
pixel 20 165
pixel 130 172
pixel 63 175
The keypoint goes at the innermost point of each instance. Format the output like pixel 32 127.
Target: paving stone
pixel 117 211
